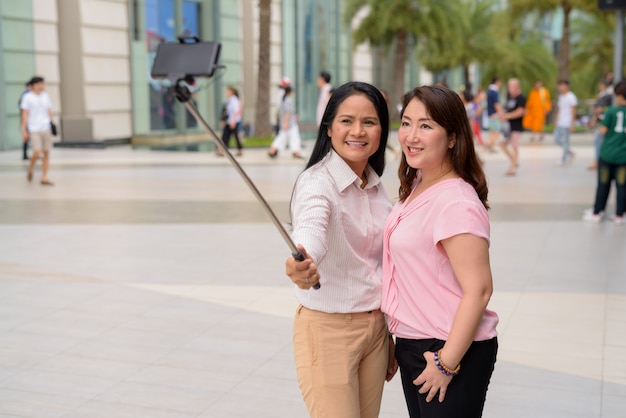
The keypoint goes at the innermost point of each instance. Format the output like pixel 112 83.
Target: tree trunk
pixel 466 77
pixel 399 71
pixel 564 45
pixel 262 125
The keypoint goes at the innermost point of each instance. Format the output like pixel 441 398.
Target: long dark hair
pixel 445 107
pixel 323 144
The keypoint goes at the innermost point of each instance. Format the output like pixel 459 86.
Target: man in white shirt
pixel 565 117
pixel 36 119
pixel 323 82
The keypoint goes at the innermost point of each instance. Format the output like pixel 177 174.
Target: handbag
pixel 53 129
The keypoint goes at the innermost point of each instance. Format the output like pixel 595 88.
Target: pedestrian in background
pixel 284 83
pixel 232 124
pixel 36 124
pixel 473 109
pixel 494 109
pixel 289 130
pixel 604 99
pixel 538 106
pixel 513 115
pixel 323 82
pixel 565 118
pixel 612 161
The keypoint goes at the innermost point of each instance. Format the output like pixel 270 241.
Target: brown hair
pixel 445 107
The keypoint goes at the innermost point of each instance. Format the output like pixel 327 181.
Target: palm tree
pixel 519 54
pixel 262 118
pixel 396 22
pixel 471 39
pixel 592 51
pixel 547 6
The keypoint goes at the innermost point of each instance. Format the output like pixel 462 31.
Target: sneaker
pixel 590 212
pixel 619 220
pixel 593 218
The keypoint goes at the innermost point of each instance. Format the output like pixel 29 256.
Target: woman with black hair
pixel 231 120
pixel 288 130
pixel 342 348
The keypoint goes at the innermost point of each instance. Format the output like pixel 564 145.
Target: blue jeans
pixel 597 143
pixel 561 137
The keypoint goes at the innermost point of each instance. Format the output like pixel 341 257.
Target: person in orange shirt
pixel 538 105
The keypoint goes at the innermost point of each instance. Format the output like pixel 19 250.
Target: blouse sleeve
pixel 461 217
pixel 310 215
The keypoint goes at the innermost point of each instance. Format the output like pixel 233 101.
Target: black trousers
pixel 227 133
pixel 25 150
pixel 607 173
pixel 465 396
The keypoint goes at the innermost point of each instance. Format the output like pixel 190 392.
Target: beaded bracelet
pixel 443 368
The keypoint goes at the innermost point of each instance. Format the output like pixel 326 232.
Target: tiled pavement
pixel 151 284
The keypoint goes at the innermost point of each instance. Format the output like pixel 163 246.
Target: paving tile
pixel 57 384
pixel 101 409
pixel 20 403
pixel 164 396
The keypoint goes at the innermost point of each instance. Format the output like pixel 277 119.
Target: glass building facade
pixel 96 56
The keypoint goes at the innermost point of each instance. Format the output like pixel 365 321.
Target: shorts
pixel 41 140
pixel 494 124
pixel 513 139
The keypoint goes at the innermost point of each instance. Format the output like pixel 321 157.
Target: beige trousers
pixel 341 361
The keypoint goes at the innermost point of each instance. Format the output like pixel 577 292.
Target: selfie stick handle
pixel 183 95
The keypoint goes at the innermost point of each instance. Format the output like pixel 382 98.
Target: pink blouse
pixel 420 291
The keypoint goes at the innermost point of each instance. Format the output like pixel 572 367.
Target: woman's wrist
pixel 443 368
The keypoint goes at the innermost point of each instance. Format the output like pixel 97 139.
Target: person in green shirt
pixel 612 161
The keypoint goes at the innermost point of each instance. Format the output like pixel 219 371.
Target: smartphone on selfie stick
pixel 190 58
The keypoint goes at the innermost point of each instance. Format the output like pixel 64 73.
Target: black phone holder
pixel 180 62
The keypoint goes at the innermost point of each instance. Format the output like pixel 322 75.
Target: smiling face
pixel 424 142
pixel 355 131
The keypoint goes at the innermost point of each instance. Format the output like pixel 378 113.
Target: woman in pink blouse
pixel 436 273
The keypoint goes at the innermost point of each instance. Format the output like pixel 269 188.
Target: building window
pixel 156 108
pixel 314 40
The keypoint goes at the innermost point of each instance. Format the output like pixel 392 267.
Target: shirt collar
pixel 343 176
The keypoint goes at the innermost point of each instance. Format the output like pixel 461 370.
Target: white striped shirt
pixel 341 227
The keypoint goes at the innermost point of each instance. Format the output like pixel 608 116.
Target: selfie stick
pixel 184 95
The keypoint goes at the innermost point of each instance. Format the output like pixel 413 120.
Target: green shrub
pixel 258 141
pixel 549 128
